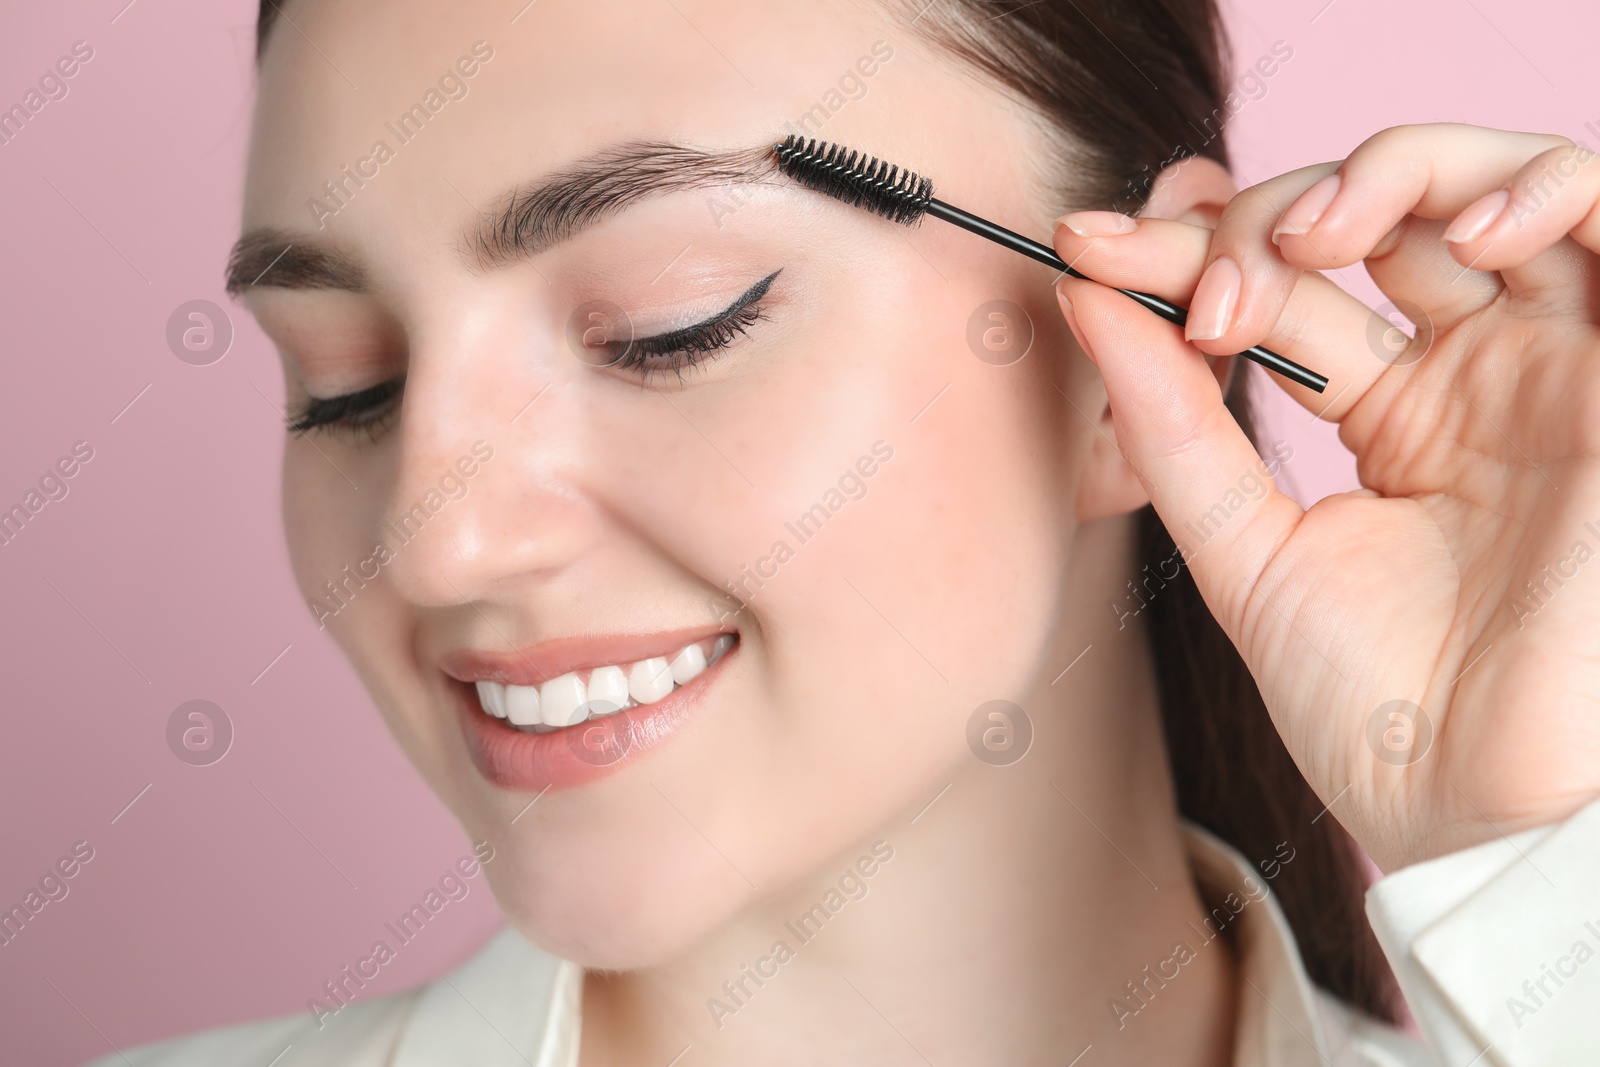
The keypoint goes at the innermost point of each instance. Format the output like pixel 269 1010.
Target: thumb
pixel 1208 484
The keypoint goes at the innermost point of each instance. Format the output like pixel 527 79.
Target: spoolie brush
pixel 903 197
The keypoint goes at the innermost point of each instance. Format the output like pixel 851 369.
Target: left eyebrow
pixel 527 219
pixel 555 208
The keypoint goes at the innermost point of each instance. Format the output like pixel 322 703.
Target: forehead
pixel 461 94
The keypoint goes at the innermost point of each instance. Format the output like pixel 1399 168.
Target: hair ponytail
pixel 1136 85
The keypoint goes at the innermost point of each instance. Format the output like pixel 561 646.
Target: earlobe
pixel 1193 190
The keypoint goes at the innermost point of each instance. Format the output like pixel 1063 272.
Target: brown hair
pixel 1134 85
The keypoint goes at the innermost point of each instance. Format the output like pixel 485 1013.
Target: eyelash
pixel 677 350
pixel 372 410
pixel 369 410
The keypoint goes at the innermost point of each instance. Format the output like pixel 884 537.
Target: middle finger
pixel 1319 325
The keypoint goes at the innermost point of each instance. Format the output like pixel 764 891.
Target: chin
pixel 616 920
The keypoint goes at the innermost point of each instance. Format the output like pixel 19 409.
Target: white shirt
pixel 1497 949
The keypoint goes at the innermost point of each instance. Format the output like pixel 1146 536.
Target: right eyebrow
pixel 527 220
pixel 295 261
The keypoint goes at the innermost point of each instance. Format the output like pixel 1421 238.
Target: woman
pixel 735 565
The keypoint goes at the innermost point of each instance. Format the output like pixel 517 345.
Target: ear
pixel 1195 191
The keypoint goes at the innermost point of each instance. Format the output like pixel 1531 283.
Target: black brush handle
pixel 1167 310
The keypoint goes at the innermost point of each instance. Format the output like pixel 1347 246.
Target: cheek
pixel 873 626
pixel 328 529
pixel 314 521
pixel 935 592
pixel 940 578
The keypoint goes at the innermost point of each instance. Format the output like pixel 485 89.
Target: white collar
pixel 513 1005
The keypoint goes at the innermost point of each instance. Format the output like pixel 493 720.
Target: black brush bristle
pixel 854 178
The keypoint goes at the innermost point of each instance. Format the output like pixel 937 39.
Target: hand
pixel 1478 449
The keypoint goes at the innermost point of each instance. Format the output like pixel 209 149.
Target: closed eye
pixel 369 410
pixel 677 350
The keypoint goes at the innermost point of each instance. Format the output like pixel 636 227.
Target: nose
pixel 485 489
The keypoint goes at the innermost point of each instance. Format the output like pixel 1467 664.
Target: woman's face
pixel 890 512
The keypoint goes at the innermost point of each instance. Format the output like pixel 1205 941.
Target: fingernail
pixel 1214 301
pixel 1308 209
pixel 1098 223
pixel 1475 221
pixel 1072 323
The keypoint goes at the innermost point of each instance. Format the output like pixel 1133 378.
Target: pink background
pixel 233 891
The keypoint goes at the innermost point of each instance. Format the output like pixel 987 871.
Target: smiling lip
pixel 573 755
pixel 539 663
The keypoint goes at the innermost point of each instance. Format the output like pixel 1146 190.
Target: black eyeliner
pixel 364 408
pixel 687 336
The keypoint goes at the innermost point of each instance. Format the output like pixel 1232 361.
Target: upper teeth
pixel 571 698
